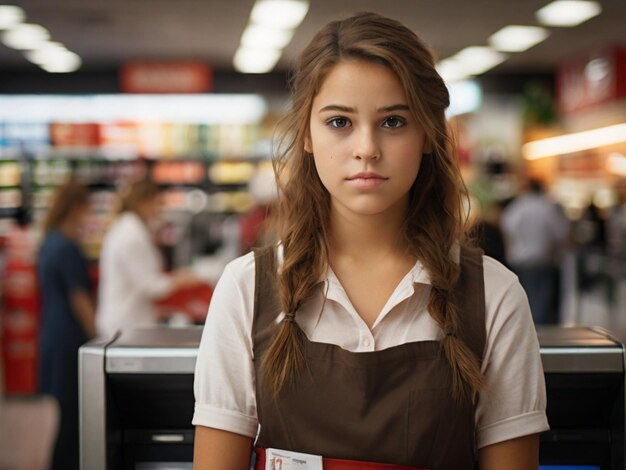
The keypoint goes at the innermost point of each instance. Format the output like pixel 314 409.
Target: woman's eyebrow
pixel 394 107
pixel 337 107
pixel 348 109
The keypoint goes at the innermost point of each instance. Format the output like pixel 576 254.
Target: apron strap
pixel 266 301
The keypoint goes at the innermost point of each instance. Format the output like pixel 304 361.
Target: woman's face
pixel 366 144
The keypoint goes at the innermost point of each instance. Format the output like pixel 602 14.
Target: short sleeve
pixel 513 402
pixel 224 383
pixel 72 268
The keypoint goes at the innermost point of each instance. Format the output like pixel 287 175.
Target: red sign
pixel 597 78
pixel 74 135
pixel 165 77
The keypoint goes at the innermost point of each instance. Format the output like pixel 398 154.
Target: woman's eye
pixel 338 123
pixel 393 122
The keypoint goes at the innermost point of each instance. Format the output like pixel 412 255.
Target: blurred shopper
pixel 373 332
pixel 131 267
pixel 591 237
pixel 616 232
pixel 68 313
pixel 487 233
pixel 535 231
pixel 254 229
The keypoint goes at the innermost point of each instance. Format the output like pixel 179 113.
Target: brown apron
pixel 392 406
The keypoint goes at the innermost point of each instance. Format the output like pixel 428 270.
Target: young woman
pixel 131 267
pixel 372 333
pixel 67 317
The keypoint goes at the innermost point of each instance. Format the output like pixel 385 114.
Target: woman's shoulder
pixel 505 298
pixel 497 274
pixel 126 221
pixel 124 228
pixel 55 241
pixel 242 269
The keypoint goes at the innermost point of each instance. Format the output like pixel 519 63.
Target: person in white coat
pixel 131 268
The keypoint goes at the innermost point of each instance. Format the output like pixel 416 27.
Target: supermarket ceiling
pixel 106 33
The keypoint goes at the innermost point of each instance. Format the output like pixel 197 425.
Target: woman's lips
pixel 366 180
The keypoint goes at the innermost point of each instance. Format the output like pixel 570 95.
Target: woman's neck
pixel 360 236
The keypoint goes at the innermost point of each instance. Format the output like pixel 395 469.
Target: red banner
pixel 165 77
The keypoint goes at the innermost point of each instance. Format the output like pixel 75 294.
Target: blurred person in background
pixel 131 267
pixel 262 187
pixel 68 312
pixel 616 232
pixel 535 232
pixel 487 233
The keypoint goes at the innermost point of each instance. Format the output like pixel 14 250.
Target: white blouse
pixel 512 405
pixel 131 277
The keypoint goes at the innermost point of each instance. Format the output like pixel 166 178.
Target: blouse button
pixel 367 342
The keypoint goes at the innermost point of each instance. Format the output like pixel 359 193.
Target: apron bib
pixel 392 406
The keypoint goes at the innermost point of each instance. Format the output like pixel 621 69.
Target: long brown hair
pixel 136 193
pixel 435 220
pixel 65 199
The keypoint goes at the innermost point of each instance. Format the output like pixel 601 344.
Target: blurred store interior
pixel 188 93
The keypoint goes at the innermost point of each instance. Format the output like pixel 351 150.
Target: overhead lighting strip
pixel 575 142
pixel 476 60
pixel 568 13
pixel 270 28
pixel 33 41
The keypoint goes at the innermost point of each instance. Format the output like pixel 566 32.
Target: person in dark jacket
pixel 68 313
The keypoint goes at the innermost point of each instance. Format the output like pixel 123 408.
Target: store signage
pixel 165 77
pixel 598 78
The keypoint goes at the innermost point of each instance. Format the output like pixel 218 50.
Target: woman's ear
pixel 308 146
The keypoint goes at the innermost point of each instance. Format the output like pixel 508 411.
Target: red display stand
pixel 20 320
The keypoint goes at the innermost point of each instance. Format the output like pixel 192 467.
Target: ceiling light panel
pixel 45 53
pixel 568 12
pixel 25 36
pixel 281 14
pixel 256 60
pixel 258 36
pixel 61 62
pixel 10 16
pixel 451 71
pixel 271 26
pixel 517 38
pixel 475 60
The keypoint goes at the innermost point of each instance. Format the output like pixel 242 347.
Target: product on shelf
pixel 10 198
pixel 51 172
pixel 185 172
pixel 120 140
pixel 9 174
pixel 19 138
pixel 203 165
pixel 234 201
pixel 75 135
pixel 231 172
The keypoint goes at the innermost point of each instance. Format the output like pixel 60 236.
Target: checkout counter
pixel 136 399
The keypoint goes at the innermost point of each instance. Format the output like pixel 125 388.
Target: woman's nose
pixel 366 145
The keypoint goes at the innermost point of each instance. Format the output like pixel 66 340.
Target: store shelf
pixel 200 164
